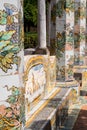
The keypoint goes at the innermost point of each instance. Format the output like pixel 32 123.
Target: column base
pixel 43 51
pixel 67 84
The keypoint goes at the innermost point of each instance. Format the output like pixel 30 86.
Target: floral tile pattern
pixel 11 67
pixel 68 18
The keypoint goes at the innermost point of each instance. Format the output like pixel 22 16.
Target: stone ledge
pixel 73 83
pixel 61 104
pixel 41 105
pixel 80 67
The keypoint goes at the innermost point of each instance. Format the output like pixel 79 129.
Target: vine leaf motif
pixel 6 62
pixel 9 116
pixel 3 44
pixel 8 51
pixel 60 44
pixel 6 35
pixel 3 17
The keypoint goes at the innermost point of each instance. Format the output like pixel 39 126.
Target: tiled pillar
pixel 11 65
pixel 77 33
pixel 42 24
pixel 82 31
pixel 65 39
pixel 69 47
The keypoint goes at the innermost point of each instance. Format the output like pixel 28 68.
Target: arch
pixel 35 61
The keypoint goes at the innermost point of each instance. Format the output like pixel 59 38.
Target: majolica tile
pixel 65 39
pixel 80 32
pixel 36 80
pixel 40 79
pixel 10 42
pixel 68 23
pixel 11 65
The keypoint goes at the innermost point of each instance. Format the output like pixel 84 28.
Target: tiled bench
pixel 52 116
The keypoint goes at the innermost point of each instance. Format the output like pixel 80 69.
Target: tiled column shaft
pixel 11 65
pixel 65 38
pixel 69 46
pixel 77 32
pixel 82 31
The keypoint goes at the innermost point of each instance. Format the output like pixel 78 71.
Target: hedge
pixel 30 40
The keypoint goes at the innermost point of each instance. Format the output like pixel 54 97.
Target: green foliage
pixel 30 12
pixel 30 40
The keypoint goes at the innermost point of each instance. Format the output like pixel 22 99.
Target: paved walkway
pixel 81 123
pixel 77 119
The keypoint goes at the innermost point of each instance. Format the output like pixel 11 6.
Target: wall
pixel 11 65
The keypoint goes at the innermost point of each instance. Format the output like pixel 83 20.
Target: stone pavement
pixel 77 119
pixel 81 123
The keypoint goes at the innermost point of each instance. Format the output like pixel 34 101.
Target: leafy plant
pixel 30 40
pixel 30 13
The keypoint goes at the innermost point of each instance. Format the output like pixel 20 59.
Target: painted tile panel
pixel 11 66
pixel 10 44
pixel 10 103
pixel 36 80
pixel 40 79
